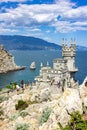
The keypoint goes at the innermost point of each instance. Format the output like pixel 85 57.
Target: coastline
pixel 14 69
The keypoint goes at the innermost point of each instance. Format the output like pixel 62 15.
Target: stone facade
pixel 63 69
pixel 68 54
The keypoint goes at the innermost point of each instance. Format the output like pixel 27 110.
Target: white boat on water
pixel 32 66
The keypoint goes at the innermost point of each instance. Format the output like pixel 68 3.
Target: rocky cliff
pixel 47 106
pixel 7 62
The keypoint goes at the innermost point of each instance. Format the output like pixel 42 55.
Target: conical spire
pixel 47 63
pixel 62 40
pixel 41 65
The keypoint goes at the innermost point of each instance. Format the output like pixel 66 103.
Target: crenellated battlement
pixel 68 51
pixel 68 54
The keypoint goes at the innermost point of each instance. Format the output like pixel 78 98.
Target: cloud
pixel 63 16
pixel 7 30
pixel 1 1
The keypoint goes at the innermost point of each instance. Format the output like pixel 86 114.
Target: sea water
pixel 25 58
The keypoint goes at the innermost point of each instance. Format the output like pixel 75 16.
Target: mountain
pixel 81 48
pixel 17 42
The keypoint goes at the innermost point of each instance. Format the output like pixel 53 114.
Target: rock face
pixel 7 62
pixel 39 98
pixel 83 91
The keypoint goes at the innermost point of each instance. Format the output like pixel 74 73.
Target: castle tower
pixel 68 54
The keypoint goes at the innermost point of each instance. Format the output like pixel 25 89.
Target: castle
pixel 63 69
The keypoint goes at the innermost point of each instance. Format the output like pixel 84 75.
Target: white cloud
pixel 72 18
pixel 48 31
pixel 7 30
pixel 13 1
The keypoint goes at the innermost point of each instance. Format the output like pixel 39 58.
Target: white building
pixel 63 69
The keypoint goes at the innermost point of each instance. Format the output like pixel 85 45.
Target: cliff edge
pixel 41 107
pixel 7 63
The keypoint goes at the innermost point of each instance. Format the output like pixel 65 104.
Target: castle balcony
pixel 68 54
pixel 74 70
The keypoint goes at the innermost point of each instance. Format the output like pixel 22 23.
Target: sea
pixel 25 58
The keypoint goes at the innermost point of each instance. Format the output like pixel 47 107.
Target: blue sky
pixel 50 20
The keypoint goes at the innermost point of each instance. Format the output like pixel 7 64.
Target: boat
pixel 32 66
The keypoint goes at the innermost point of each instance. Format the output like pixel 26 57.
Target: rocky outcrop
pixel 39 98
pixel 83 91
pixel 7 63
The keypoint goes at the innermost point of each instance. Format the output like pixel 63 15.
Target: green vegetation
pixel 3 98
pixel 8 86
pixel 76 122
pixel 16 115
pixel 22 127
pixel 11 85
pixel 84 108
pixel 21 105
pixel 13 117
pixel 45 115
pixel 23 113
pixel 1 111
pixel 0 89
pixel 32 102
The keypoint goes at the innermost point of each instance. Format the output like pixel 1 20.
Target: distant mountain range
pixel 26 43
pixel 81 48
pixel 17 42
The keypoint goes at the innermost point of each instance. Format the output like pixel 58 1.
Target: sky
pixel 50 20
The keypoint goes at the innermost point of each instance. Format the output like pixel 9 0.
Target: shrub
pixel 76 122
pixel 0 89
pixel 8 86
pixel 84 108
pixel 22 127
pixel 45 115
pixel 1 111
pixel 3 98
pixel 11 85
pixel 23 113
pixel 21 105
pixel 13 117
pixel 32 102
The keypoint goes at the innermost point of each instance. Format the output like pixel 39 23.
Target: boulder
pixel 45 94
pixel 83 91
pixel 44 85
pixel 69 102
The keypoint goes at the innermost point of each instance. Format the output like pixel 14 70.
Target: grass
pixel 1 111
pixel 45 115
pixel 23 113
pixel 3 98
pixel 22 127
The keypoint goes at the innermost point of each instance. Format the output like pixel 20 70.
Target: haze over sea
pixel 24 58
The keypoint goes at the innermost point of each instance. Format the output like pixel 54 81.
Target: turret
pixel 41 65
pixel 47 63
pixel 68 54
